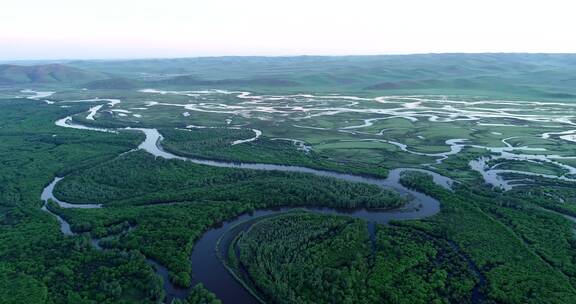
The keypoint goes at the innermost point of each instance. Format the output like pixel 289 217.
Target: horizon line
pixel 282 56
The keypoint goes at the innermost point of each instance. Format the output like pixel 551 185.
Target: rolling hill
pixel 46 74
pixel 526 75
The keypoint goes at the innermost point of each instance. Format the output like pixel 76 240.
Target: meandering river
pixel 207 267
pixel 209 270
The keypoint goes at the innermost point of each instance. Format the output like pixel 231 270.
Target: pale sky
pixel 69 29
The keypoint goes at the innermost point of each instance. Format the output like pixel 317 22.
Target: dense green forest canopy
pixel 498 127
pixel 306 258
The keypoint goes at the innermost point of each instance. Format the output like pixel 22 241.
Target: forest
pixel 138 178
pixel 309 258
pixel 505 234
pixel 39 264
pixel 171 203
pixel 416 191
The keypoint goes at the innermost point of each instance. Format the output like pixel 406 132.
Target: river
pixel 207 267
pixel 209 270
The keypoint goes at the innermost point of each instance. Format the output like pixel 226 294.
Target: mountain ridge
pixel 45 74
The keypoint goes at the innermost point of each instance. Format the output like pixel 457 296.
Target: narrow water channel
pixel 207 268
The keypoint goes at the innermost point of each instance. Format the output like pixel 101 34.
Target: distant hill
pixel 526 75
pixel 185 81
pixel 262 81
pixel 113 84
pixel 45 74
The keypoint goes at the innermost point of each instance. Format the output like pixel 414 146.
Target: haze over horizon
pixel 177 28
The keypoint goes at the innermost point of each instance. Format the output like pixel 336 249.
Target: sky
pixel 106 29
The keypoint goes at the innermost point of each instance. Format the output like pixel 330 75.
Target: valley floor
pixel 202 196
